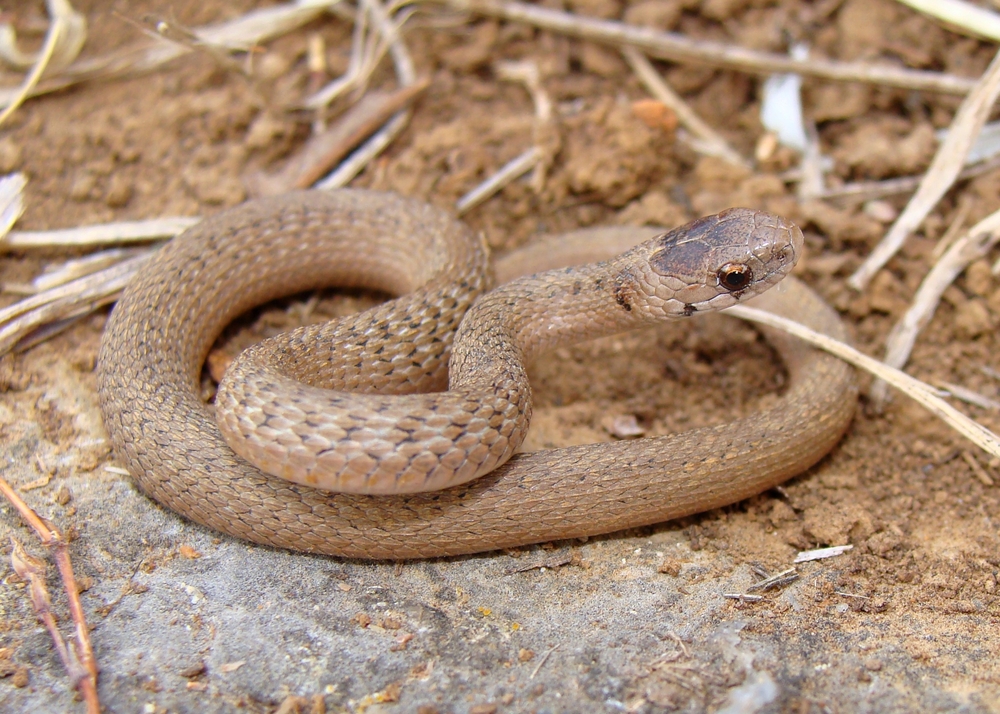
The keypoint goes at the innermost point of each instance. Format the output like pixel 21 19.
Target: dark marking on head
pixel 683 249
pixel 689 310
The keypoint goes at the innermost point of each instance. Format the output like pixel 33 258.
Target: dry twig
pixel 538 157
pixel 324 150
pixel 868 190
pixel 405 74
pixel 943 171
pixel 971 19
pixel 679 48
pixel 142 57
pixel 78 658
pixel 913 388
pixel 970 247
pixel 708 140
pixel 100 234
pixel 72 300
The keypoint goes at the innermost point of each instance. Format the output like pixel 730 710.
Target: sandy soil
pixel 185 620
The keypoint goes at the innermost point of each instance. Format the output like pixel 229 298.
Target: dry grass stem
pixel 11 202
pixel 66 35
pixel 68 301
pixel 709 141
pixel 868 190
pixel 804 556
pixel 743 598
pixel 406 76
pixel 510 171
pixel 100 234
pixel 977 470
pixel 953 230
pixel 775 581
pixel 187 38
pixel 920 392
pixel 326 149
pixel 970 396
pixel 972 246
pixel 941 175
pixel 545 134
pixel 55 275
pixel 370 113
pixel 679 48
pixel 246 31
pixel 78 658
pixel 962 16
pixel 367 50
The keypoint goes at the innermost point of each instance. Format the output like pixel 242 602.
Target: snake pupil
pixel 734 277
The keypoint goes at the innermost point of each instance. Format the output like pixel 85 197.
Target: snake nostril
pixel 734 276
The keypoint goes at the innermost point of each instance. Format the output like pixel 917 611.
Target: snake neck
pixel 518 321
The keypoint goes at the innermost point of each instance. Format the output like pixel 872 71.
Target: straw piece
pixel 676 47
pixel 966 17
pixel 943 171
pixel 78 297
pixel 710 142
pixel 101 233
pixel 972 246
pixel 246 31
pixel 920 392
pixel 406 75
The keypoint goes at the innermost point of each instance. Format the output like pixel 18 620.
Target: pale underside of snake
pixel 276 408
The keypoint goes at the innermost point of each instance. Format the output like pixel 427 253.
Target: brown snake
pixel 161 330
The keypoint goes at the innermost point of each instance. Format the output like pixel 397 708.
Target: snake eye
pixel 734 277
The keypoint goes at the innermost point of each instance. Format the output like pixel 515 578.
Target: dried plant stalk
pixel 676 47
pixel 919 391
pixel 78 658
pixel 972 246
pixel 943 171
pixel 709 140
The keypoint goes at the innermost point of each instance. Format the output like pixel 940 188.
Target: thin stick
pixel 101 234
pixel 538 157
pixel 11 202
pixel 710 141
pixel 514 168
pixel 545 134
pixel 543 660
pixel 676 47
pixel 866 190
pixel 970 247
pixel 142 57
pixel 78 297
pixel 56 34
pixel 81 650
pixel 355 67
pixel 967 17
pixel 943 171
pixel 970 396
pixel 74 269
pixel 326 149
pixel 406 74
pixel 913 388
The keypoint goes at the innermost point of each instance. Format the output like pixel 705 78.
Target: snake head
pixel 714 262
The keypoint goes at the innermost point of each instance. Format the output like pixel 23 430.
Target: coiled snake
pixel 281 413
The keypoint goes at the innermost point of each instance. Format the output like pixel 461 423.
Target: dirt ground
pixel 186 620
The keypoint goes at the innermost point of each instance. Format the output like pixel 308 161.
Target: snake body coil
pixel 160 332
